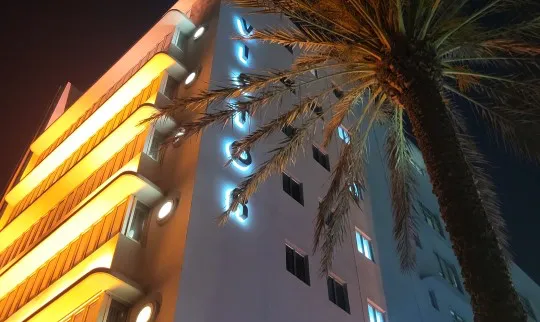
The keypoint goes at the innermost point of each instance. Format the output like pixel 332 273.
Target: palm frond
pixel 403 190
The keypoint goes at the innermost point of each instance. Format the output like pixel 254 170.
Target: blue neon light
pixel 235 163
pixel 239 122
pixel 343 134
pixel 243 27
pixel 236 214
pixel 243 54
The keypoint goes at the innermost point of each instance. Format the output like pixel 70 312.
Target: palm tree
pixel 417 61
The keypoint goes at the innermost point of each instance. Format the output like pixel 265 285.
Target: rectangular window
pixel 297 264
pixel 289 48
pixel 432 220
pixel 293 188
pixel 288 130
pixel 344 134
pixel 456 317
pixel 171 87
pixel 449 273
pixel 337 293
pixel 321 157
pixel 433 300
pixel 527 306
pixel 363 244
pixel 137 221
pixel 375 315
pixel 117 312
pixel 155 144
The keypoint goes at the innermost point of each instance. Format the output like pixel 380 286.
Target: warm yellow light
pixel 107 111
pixel 145 314
pixel 122 186
pixel 190 78
pixel 101 258
pixel 165 209
pixel 82 170
pixel 198 33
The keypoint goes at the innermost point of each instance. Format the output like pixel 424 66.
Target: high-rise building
pixel 100 224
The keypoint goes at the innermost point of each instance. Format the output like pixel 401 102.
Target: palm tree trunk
pixel 484 269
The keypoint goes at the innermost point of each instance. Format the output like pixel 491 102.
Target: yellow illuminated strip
pixel 123 186
pixel 101 258
pixel 93 161
pixel 153 68
pixel 92 285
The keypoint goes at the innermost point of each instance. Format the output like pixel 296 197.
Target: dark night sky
pixel 46 43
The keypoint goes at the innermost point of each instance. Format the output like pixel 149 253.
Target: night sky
pixel 46 43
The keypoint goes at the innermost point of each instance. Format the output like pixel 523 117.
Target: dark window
pixel 356 191
pixel 137 221
pixel 338 93
pixel 417 241
pixel 317 109
pixel 449 273
pixel 289 48
pixel 321 157
pixel 288 130
pixel 297 264
pixel 527 306
pixel 433 300
pixel 337 293
pixel 289 83
pixel 117 312
pixel 170 87
pixel 243 80
pixel 432 220
pixel 155 144
pixel 315 73
pixel 293 189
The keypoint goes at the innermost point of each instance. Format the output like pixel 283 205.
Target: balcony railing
pixel 62 262
pixel 162 46
pixel 63 210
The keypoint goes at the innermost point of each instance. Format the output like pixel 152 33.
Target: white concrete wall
pixel 237 272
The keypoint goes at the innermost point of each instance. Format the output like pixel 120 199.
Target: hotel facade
pixel 100 224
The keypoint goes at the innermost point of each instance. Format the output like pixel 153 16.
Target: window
pixel 343 134
pixel 170 87
pixel 337 293
pixel 297 264
pixel 117 312
pixel 137 221
pixel 375 315
pixel 315 73
pixel 456 317
pixel 243 80
pixel 356 191
pixel 321 157
pixel 155 144
pixel 433 299
pixel 289 83
pixel 288 130
pixel 177 38
pixel 293 188
pixel 317 109
pixel 449 273
pixel 417 241
pixel 527 306
pixel 289 48
pixel 338 93
pixel 432 220
pixel 416 166
pixel 363 244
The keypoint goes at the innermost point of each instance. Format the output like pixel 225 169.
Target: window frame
pixel 362 239
pixel 296 271
pixel 321 157
pixel 130 219
pixel 432 220
pixel 166 88
pixel 377 312
pixel 290 191
pixel 433 299
pixel 331 283
pixel 449 272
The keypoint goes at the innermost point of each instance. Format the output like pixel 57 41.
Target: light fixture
pixel 145 314
pixel 165 210
pixel 191 77
pixel 243 54
pixel 198 33
pixel 243 161
pixel 178 135
pixel 240 119
pixel 243 27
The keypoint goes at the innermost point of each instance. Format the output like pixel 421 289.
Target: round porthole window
pixel 146 313
pixel 242 211
pixel 166 209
